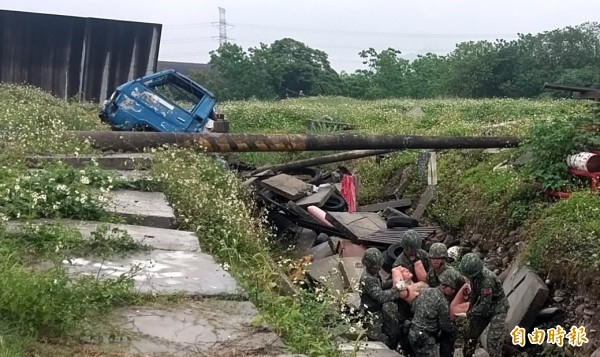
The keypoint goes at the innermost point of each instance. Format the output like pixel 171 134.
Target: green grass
pixel 43 302
pixel 442 117
pixel 472 196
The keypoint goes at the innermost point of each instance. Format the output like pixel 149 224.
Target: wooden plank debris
pixel 426 198
pixel 286 186
pixel 404 181
pixel 402 203
pixel 358 225
pixel 316 199
pixel 394 235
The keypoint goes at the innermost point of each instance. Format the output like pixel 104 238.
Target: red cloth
pixel 349 192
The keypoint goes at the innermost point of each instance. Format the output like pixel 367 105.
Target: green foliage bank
pixel 477 190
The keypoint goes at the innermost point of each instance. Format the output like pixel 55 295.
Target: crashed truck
pixel 165 101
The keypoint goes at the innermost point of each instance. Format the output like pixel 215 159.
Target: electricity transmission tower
pixel 222 27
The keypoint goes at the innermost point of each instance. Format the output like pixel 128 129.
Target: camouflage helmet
pixel 471 265
pixel 372 258
pixel 450 277
pixel 438 250
pixel 411 240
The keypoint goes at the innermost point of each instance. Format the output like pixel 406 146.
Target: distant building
pixel 184 68
pixel 70 56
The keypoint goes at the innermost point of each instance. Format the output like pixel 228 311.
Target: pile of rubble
pixel 330 233
pixel 335 238
pixel 331 239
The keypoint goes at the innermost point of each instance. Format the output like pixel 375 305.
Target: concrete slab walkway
pixel 216 323
pixel 204 328
pixel 143 208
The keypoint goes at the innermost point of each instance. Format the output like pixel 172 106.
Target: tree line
pixel 474 69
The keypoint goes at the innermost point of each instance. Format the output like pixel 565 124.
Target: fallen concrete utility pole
pixel 131 141
pixel 327 159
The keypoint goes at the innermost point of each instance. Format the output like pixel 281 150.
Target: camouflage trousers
pixel 384 325
pixel 495 336
pixel 447 343
pixel 423 343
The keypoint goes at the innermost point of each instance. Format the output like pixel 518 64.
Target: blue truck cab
pixel 165 101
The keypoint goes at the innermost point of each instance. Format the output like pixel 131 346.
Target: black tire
pixel 391 254
pixel 399 221
pixel 324 179
pixel 335 203
pixel 315 174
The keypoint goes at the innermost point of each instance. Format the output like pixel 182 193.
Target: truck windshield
pixel 177 90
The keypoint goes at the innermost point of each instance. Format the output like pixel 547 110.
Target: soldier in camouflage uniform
pixel 432 316
pixel 438 257
pixel 488 305
pixel 377 299
pixel 412 252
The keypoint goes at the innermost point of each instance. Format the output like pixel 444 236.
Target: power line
pixel 366 33
pixel 377 34
pixel 187 26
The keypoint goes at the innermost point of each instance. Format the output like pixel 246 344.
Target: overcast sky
pixel 339 27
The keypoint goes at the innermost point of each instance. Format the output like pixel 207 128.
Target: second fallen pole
pixel 321 160
pixel 138 141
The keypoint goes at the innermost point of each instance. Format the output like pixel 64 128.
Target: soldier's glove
pixel 401 285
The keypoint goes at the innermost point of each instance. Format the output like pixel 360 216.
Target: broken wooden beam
pixel 286 186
